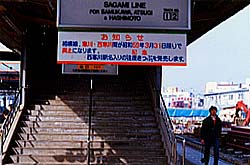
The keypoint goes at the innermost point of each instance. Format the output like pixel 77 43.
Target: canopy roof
pixel 18 15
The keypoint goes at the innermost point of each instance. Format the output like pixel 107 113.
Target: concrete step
pixel 46 163
pixel 57 101
pixel 49 151
pixel 51 144
pixel 84 137
pixel 43 115
pixel 70 97
pixel 128 96
pixel 121 108
pixel 147 152
pixel 57 118
pixel 75 112
pixel 80 130
pixel 61 124
pixel 153 144
pixel 95 119
pixel 101 107
pixel 61 107
pixel 99 161
pixel 124 112
pixel 121 99
pixel 52 136
pixel 96 100
pixel 83 113
pixel 81 158
pixel 73 124
pixel 50 159
pixel 58 130
pixel 102 95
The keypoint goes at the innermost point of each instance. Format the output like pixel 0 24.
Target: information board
pixel 131 14
pixel 93 69
pixel 121 48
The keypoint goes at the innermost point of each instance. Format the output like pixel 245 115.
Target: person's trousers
pixel 215 144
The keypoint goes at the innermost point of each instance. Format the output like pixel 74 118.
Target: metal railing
pixel 183 140
pixel 90 122
pixel 168 130
pixel 165 124
pixel 7 126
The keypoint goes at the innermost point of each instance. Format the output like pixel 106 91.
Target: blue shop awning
pixel 187 112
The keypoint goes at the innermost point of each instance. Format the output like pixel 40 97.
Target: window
pixel 231 97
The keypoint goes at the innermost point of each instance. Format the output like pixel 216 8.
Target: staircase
pixel 123 130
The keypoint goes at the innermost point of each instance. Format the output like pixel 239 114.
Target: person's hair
pixel 6 112
pixel 212 107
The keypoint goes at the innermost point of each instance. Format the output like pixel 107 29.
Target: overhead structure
pixel 18 15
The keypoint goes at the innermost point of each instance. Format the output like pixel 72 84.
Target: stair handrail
pixel 165 123
pixel 166 116
pixel 7 126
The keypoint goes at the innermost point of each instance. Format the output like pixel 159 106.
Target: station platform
pixel 193 157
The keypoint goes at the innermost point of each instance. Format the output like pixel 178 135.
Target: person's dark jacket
pixel 209 131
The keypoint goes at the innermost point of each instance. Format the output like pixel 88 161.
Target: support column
pixel 22 83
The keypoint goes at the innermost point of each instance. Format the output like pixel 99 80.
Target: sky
pixel 220 55
pixel 3 47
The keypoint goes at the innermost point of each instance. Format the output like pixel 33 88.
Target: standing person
pixel 210 134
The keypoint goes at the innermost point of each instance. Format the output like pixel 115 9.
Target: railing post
pixel 23 69
pixel 90 115
pixel 174 152
pixel 1 147
pixel 183 151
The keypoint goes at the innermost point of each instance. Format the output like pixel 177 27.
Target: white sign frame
pixel 124 14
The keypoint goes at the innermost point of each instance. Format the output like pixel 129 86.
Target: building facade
pixel 222 95
pixel 175 98
pixel 226 95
